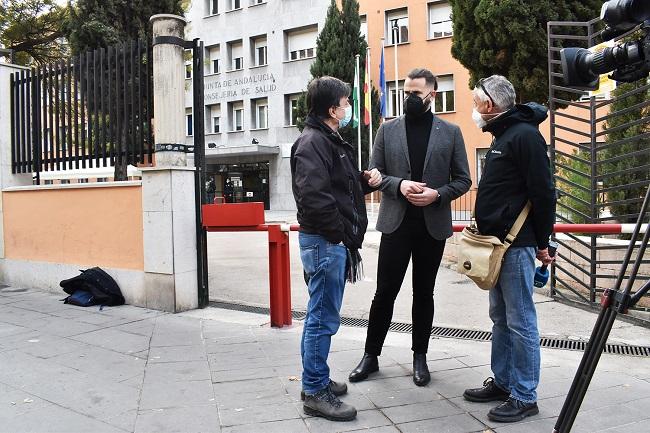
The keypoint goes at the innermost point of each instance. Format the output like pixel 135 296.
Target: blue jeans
pixel 324 265
pixel 515 337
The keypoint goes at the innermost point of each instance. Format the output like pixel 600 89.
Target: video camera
pixel 630 61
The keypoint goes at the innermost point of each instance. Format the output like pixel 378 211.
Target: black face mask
pixel 414 105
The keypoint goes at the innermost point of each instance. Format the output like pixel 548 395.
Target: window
pixel 261 110
pixel 213 121
pixel 83 180
pixel 236 116
pixel 444 101
pixel 234 4
pixel 397 26
pixel 188 71
pixel 211 7
pixel 301 43
pixel 239 119
pixel 440 25
pixel 236 51
pixel 65 181
pixel 480 162
pixel 302 54
pixel 214 60
pixel 258 45
pixel 291 116
pixel 48 182
pixel 364 27
pixel 189 128
pixel 395 100
pixel 102 179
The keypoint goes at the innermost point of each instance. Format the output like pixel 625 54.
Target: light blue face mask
pixel 348 116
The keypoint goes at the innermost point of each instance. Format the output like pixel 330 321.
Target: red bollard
pixel 279 276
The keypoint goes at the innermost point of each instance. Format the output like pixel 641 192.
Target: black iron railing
pixel 601 159
pixel 91 110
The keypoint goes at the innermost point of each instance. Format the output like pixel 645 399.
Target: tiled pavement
pixel 127 369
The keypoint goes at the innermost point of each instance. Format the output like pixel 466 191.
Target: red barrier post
pixel 279 276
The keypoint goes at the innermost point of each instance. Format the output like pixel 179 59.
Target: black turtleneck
pixel 418 131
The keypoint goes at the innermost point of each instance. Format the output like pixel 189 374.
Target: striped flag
pixel 367 92
pixel 382 86
pixel 356 115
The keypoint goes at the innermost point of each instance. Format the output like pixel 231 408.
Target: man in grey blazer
pixel 424 167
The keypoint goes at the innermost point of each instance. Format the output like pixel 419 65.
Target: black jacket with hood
pixel 328 187
pixel 517 169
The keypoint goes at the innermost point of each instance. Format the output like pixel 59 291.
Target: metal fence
pixel 463 207
pixel 601 158
pixel 91 110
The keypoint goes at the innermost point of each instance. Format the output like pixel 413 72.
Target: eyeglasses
pixel 480 84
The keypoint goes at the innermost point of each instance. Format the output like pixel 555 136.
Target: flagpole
pixel 369 108
pixel 395 34
pixel 356 110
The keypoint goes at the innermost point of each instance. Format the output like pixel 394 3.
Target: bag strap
pixel 519 222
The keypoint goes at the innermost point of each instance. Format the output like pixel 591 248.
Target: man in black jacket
pixel 517 170
pixel 329 193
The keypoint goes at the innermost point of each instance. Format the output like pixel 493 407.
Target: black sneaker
pixel 326 405
pixel 489 392
pixel 513 410
pixel 338 389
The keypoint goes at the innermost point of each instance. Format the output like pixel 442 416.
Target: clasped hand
pixel 418 193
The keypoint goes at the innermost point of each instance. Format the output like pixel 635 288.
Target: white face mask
pixel 478 119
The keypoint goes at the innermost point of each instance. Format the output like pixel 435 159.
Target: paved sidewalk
pixel 127 369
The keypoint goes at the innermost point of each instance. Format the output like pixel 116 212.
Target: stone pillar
pixel 169 90
pixel 168 189
pixel 7 179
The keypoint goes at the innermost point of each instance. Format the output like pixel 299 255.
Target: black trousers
pixel 410 240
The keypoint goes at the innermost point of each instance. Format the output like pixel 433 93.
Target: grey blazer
pixel 445 169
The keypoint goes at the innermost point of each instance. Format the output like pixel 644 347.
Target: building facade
pixel 421 32
pixel 257 59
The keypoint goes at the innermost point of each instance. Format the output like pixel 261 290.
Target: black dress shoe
pixel 368 364
pixel 421 374
pixel 513 410
pixel 338 389
pixel 490 391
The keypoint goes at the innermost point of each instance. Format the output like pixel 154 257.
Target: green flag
pixel 356 111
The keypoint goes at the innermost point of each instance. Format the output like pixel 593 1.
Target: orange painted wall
pixel 81 226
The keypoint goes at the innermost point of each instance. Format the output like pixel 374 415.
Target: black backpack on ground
pixel 101 286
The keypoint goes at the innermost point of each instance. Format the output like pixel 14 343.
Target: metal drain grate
pixel 457 333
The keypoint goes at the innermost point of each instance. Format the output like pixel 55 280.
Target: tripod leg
pixel 602 328
pixel 586 370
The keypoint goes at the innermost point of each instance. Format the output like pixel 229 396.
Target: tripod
pixel 612 303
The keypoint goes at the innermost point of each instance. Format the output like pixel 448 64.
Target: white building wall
pixel 281 77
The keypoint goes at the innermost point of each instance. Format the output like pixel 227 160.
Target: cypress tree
pixel 336 47
pixel 510 38
pixel 100 23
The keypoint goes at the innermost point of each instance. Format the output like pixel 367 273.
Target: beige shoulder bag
pixel 480 257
